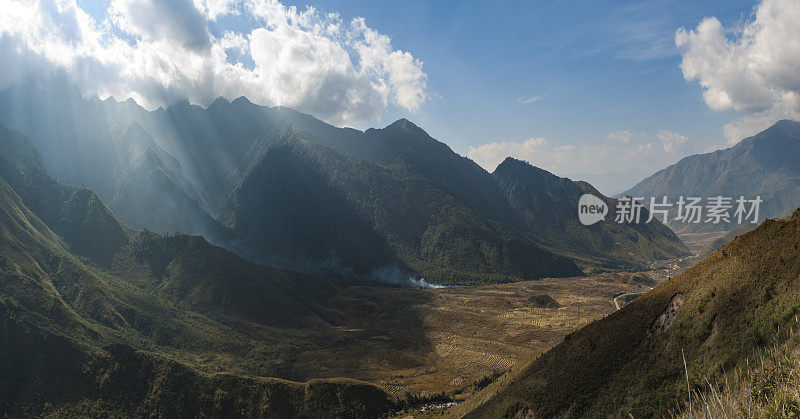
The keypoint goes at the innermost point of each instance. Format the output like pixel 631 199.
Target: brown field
pixel 422 342
pixel 444 340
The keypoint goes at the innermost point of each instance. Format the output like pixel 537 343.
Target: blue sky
pixel 596 67
pixel 576 87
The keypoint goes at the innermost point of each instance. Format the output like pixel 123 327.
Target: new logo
pixel 591 209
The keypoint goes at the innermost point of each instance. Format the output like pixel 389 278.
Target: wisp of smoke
pixel 399 276
pixel 422 283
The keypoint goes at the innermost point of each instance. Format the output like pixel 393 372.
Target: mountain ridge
pixel 194 161
pixel 760 165
pixel 130 329
pixel 549 205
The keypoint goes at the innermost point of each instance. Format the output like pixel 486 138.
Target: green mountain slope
pixel 292 216
pixel 763 165
pixel 146 329
pixel 718 314
pixel 429 230
pixel 76 214
pixel 549 205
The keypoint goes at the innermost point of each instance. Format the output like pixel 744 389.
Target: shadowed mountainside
pixel 434 234
pixel 114 327
pixel 548 205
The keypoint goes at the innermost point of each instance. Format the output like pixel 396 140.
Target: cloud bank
pixel 755 71
pixel 618 151
pixel 160 52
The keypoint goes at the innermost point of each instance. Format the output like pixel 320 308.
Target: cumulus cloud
pixel 619 151
pixel 159 52
pixel 216 8
pixel 756 71
pixel 152 20
pixel 621 136
pixel 670 141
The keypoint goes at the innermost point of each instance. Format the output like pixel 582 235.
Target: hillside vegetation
pixel 768 385
pixel 716 313
pixel 125 323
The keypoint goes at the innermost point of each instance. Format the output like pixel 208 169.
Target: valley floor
pixel 468 333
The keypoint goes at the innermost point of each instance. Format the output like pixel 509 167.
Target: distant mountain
pixel 148 188
pixel 612 183
pixel 718 314
pixel 100 319
pixel 765 165
pixel 359 214
pixel 381 200
pixel 172 169
pixel 548 205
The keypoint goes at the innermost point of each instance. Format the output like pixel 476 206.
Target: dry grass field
pixel 445 340
pixel 425 342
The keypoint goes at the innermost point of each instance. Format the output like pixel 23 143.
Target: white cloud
pixel 621 136
pixel 613 154
pixel 525 101
pixel 216 8
pixel 159 52
pixel 177 21
pixel 756 71
pixel 670 141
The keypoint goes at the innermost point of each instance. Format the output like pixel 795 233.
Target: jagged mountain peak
pixel 206 154
pixel 241 100
pixel 511 161
pixel 407 126
pixel 512 164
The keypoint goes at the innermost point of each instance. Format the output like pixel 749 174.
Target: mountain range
pixel 762 165
pixel 249 224
pixel 101 319
pixel 283 188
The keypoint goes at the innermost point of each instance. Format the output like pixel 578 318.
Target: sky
pixel 606 91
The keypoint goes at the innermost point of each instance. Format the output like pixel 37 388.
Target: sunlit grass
pixel 766 386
